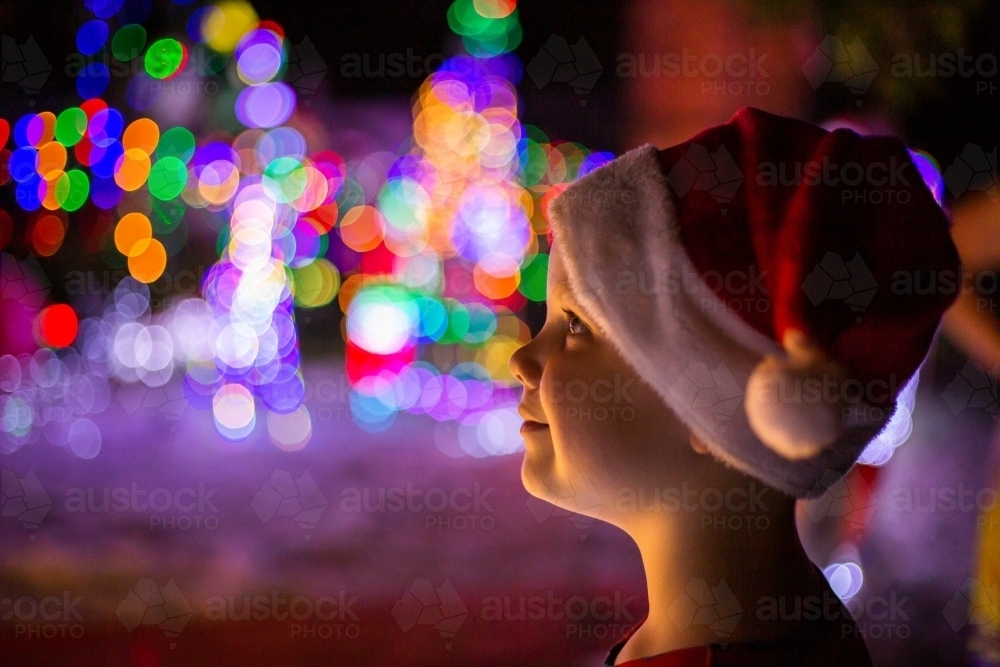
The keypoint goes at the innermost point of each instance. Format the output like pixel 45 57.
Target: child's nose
pixel 525 364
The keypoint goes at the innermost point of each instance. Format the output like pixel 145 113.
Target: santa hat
pixel 748 276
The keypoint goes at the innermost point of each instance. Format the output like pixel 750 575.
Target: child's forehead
pixel 557 281
pixel 559 290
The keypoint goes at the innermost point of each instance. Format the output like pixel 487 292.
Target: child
pixel 722 338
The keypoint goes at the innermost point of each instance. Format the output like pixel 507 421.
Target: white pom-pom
pixel 784 414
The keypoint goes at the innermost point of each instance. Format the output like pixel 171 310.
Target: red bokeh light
pixel 92 106
pixel 360 363
pixel 58 325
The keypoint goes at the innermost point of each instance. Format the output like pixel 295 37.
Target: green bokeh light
pixel 167 178
pixel 534 161
pixel 70 126
pixel 484 37
pixel 128 42
pixel 72 190
pixel 533 277
pixel 458 322
pixel 164 58
pixel 176 142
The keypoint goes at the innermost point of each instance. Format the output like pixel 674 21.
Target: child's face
pixel 592 427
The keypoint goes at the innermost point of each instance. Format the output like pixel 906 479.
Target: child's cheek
pixel 586 417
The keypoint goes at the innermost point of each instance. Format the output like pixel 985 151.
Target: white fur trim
pixel 618 230
pixel 796 430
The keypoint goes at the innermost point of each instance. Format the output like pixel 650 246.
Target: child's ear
pixel 697 444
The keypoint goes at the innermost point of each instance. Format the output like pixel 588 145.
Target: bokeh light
pixel 223 25
pixel 57 325
pixel 128 42
pixel 429 252
pixel 165 58
pixel 91 36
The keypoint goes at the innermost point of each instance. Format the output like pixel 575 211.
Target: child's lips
pixel 529 425
pixel 533 427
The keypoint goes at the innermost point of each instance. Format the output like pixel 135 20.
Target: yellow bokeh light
pixel 316 284
pixel 495 357
pixel 225 24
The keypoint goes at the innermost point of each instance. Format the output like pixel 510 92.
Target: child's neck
pixel 751 561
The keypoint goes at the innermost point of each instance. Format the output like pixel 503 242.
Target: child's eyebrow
pixel 565 295
pixel 562 292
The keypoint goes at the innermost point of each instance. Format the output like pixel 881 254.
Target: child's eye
pixel 576 325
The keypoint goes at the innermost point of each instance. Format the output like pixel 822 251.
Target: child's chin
pixel 535 470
